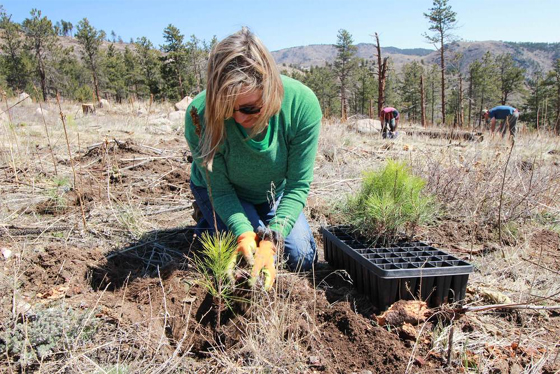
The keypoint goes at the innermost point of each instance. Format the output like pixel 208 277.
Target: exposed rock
pixel 24 98
pixel 159 130
pixel 368 126
pixel 103 103
pixel 177 116
pixel 41 112
pixel 160 121
pixel 4 118
pixel 183 104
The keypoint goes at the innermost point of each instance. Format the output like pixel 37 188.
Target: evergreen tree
pixel 511 76
pixel 68 76
pixel 364 86
pixel 322 80
pixel 14 61
pixel 67 28
pixel 132 77
pixel 344 64
pixel 432 89
pixel 116 73
pixel 410 90
pixel 149 67
pixel 40 40
pixel 442 21
pixel 175 59
pixel 91 40
pixel 553 82
pixel 533 110
pixel 197 52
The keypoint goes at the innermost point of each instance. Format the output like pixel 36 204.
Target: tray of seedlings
pixel 400 270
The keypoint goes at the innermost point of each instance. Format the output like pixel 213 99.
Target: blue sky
pixel 289 23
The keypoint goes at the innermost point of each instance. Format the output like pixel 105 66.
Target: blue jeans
pixel 300 250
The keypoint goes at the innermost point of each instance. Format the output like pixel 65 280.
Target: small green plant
pixel 389 201
pixel 214 264
pixel 49 331
pixel 84 94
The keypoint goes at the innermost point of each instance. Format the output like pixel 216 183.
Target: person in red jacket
pixel 389 117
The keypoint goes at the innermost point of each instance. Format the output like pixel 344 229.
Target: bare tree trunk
pixel 481 108
pixel 343 113
pixel 557 126
pixel 381 75
pixel 96 85
pixel 461 116
pixel 433 100
pixel 470 101
pixel 43 77
pixel 442 82
pixel 181 90
pixel 422 102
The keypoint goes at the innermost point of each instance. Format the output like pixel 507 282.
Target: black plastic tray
pixel 401 271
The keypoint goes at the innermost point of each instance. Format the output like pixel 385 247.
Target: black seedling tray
pixel 405 270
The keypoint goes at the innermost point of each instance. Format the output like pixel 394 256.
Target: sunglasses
pixel 249 109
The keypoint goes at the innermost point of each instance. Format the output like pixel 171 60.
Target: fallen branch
pixel 541 266
pixel 14 230
pixel 483 308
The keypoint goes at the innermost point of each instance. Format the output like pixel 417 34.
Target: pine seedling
pixel 388 202
pixel 213 262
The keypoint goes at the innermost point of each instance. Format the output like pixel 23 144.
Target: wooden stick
pixel 72 162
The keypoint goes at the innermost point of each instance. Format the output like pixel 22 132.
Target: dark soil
pixel 154 273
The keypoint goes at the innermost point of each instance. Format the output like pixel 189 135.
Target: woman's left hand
pixel 264 261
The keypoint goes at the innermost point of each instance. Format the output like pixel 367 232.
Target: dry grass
pixel 465 177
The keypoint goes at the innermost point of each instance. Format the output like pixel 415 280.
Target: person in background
pixel 486 119
pixel 507 114
pixel 254 135
pixel 389 117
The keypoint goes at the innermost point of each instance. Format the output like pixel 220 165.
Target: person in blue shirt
pixel 507 114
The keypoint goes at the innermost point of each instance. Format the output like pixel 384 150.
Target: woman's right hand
pixel 246 246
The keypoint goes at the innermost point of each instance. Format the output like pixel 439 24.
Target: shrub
pixel 388 202
pixel 50 331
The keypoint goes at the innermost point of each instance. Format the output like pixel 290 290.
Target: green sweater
pixel 243 171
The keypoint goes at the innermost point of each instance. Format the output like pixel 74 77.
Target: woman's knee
pixel 300 249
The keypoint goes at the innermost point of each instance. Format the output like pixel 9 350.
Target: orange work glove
pixel 264 260
pixel 246 246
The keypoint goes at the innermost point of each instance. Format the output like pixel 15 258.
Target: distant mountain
pixel 531 56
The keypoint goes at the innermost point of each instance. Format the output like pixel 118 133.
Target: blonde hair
pixel 237 65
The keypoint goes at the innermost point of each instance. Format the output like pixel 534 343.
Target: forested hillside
pixel 80 62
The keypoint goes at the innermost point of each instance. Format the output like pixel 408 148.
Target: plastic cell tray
pixel 405 270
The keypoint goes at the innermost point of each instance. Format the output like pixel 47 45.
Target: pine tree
pixel 322 80
pixel 410 90
pixel 149 67
pixel 91 40
pixel 442 21
pixel 116 73
pixel 14 62
pixel 511 76
pixel 364 86
pixel 174 66
pixel 68 76
pixel 40 40
pixel 344 64
pixel 132 73
pixel 553 81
